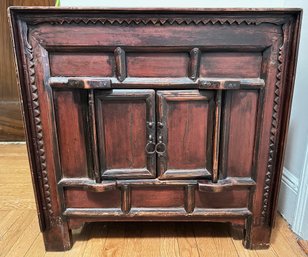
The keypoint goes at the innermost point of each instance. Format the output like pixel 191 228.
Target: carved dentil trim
pixel 47 206
pixel 273 131
pixel 154 21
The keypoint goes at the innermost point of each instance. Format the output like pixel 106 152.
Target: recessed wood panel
pixel 187 118
pixel 230 64
pixel 70 110
pixel 76 198
pixel 157 197
pixel 229 199
pixel 187 124
pixel 81 64
pixel 241 129
pixel 122 117
pixel 125 133
pixel 157 64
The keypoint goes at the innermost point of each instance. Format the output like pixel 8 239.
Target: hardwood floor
pixel 20 235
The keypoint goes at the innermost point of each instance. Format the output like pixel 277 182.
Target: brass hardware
pixel 162 145
pixel 160 124
pixel 159 145
pixel 150 124
pixel 150 145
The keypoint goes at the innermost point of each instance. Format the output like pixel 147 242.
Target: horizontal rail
pixel 230 183
pixel 133 82
pixel 156 214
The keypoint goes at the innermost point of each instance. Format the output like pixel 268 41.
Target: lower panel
pixel 157 198
pixel 77 198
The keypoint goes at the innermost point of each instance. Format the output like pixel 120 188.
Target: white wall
pixel 295 180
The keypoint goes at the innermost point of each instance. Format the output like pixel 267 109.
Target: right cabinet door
pixel 185 125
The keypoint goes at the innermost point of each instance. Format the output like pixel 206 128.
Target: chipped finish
pixel 120 60
pixel 195 55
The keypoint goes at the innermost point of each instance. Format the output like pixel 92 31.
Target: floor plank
pixel 168 241
pixel 26 239
pixel 304 245
pixel 115 240
pixel 37 248
pixel 205 241
pixel 97 239
pixel 150 239
pixel 21 222
pixel 186 240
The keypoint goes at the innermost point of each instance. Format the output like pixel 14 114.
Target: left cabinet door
pixel 125 121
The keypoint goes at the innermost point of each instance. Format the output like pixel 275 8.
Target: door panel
pixel 126 126
pixel 184 133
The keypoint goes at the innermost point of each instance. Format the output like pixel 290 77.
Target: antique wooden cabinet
pixel 156 114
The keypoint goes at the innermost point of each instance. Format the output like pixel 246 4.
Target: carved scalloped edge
pixel 47 206
pixel 273 134
pixel 154 21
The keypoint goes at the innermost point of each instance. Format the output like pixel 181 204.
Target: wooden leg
pixel 58 237
pixel 237 231
pixel 256 237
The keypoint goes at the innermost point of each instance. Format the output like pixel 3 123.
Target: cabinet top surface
pixel 216 11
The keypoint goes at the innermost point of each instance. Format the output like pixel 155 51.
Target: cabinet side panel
pixel 242 129
pixel 70 115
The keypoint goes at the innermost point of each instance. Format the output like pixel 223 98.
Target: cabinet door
pixel 126 133
pixel 184 133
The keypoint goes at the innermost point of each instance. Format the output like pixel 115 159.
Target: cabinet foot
pixel 58 238
pixel 257 237
pixel 237 231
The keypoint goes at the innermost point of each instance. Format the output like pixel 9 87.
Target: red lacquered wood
pixel 155 114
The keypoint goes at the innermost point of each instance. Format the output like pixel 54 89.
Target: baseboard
pixel 288 197
pixel 300 225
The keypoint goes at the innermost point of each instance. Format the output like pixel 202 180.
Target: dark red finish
pixel 161 115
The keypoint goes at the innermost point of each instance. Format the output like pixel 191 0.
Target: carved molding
pixel 274 129
pixel 156 21
pixel 39 140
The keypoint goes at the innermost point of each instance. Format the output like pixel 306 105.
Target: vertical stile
pixel 216 135
pixel 189 198
pixel 125 199
pixel 96 172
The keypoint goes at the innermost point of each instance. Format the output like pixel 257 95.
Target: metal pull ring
pixel 160 148
pixel 150 145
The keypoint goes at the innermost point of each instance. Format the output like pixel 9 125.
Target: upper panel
pixel 146 48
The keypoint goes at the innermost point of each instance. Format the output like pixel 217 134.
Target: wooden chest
pixel 156 114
